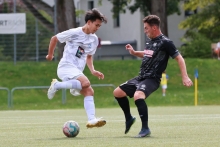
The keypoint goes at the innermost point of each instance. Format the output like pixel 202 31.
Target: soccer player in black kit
pixel 154 61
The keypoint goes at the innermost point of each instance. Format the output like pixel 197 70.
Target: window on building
pixel 90 5
pixel 188 13
pixel 117 21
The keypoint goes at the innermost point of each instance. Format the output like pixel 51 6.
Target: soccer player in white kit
pixel 81 44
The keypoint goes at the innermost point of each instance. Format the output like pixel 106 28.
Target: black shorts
pixel 146 85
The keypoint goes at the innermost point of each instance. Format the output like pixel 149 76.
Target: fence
pixel 9 96
pixel 11 93
pixel 32 45
pixel 29 46
pixel 114 50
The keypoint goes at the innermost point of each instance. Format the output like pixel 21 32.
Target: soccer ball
pixel 71 128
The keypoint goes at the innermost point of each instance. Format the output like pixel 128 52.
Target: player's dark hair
pixel 95 14
pixel 152 20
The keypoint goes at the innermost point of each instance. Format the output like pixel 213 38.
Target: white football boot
pixel 96 122
pixel 51 91
pixel 74 92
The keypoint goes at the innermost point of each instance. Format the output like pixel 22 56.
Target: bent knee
pixel 139 95
pixel 118 92
pixel 85 84
pixel 87 91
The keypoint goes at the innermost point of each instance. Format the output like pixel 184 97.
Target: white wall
pixel 51 2
pixel 131 26
pixel 174 32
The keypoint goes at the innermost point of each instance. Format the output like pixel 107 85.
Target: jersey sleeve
pixel 167 77
pixel 66 35
pixel 171 49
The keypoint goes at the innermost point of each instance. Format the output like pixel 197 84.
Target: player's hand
pixel 130 49
pixel 187 82
pixel 49 58
pixel 98 74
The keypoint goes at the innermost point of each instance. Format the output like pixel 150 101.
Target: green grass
pixel 116 72
pixel 188 126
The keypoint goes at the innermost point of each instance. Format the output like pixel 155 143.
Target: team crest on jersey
pixel 154 44
pixel 148 53
pixel 143 87
pixel 80 52
pixel 89 45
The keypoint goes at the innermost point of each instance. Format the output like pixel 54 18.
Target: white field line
pixel 151 119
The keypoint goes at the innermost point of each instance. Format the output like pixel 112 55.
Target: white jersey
pixel 78 46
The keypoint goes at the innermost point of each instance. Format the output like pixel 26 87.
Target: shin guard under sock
pixel 143 112
pixel 124 104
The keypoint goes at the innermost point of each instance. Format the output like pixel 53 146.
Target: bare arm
pixel 133 52
pixel 52 45
pixel 185 79
pixel 90 65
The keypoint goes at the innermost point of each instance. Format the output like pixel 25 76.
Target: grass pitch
pixel 170 126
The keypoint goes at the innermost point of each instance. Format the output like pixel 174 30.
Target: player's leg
pixel 144 89
pixel 164 90
pixel 56 85
pixel 68 75
pixel 218 54
pixel 120 94
pixel 70 84
pixel 89 104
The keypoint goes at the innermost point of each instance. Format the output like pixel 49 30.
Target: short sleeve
pixel 96 41
pixel 66 35
pixel 171 49
pixel 95 45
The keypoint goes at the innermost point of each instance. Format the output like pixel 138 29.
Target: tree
pixel 206 21
pixel 25 50
pixel 202 28
pixel 66 17
pixel 161 8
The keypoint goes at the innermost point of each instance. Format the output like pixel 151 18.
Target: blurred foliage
pixel 120 6
pixel 205 22
pixel 197 47
pixel 25 43
pixel 46 16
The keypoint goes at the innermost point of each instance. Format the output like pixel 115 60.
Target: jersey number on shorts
pixel 80 52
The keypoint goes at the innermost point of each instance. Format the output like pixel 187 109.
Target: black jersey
pixel 156 55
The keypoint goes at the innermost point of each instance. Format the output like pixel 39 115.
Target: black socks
pixel 143 112
pixel 124 104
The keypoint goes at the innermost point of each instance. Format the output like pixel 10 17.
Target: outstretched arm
pixel 90 65
pixel 185 79
pixel 133 52
pixel 52 45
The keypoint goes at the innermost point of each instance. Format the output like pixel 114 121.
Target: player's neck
pixel 157 33
pixel 85 29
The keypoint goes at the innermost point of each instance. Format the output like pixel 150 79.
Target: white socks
pixel 89 106
pixel 71 84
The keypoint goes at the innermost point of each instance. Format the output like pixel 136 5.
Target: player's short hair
pixel 95 14
pixel 152 20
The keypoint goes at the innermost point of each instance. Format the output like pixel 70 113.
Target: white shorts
pixel 66 72
pixel 164 86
